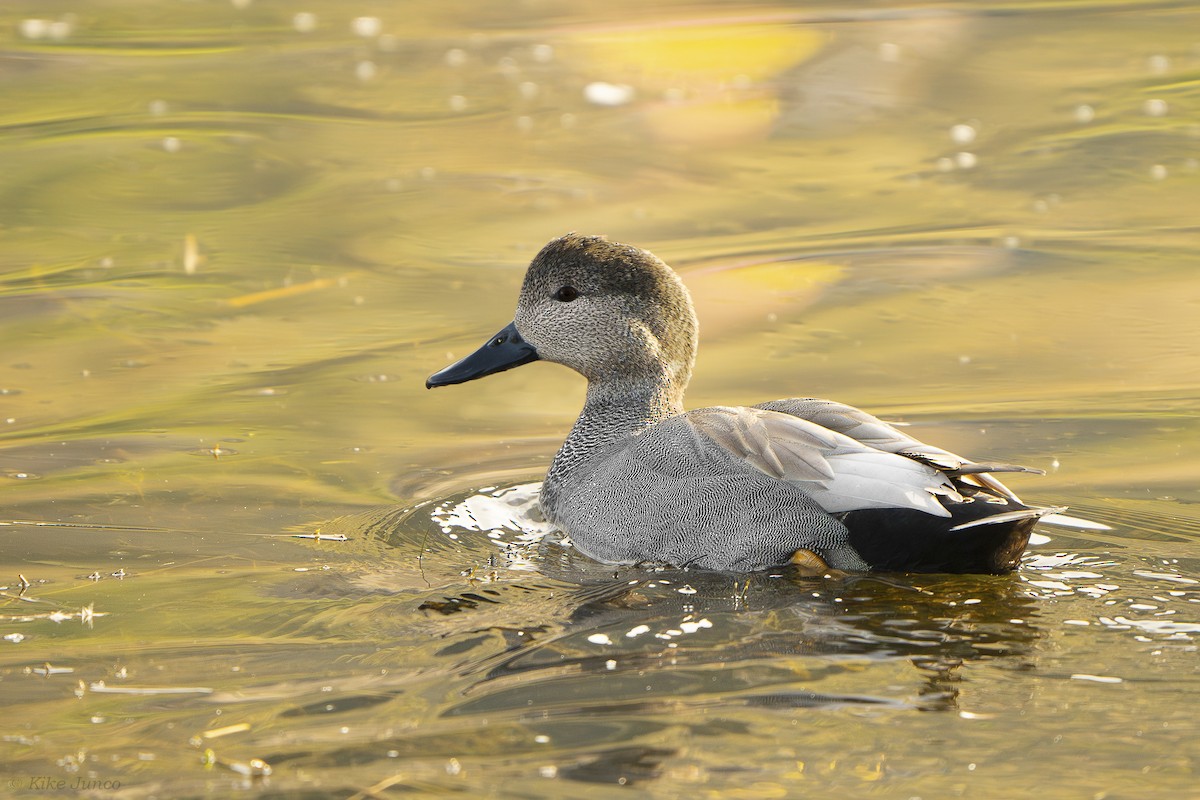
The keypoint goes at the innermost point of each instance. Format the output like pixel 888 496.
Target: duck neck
pixel 613 411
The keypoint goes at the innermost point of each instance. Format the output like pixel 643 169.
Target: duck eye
pixel 566 294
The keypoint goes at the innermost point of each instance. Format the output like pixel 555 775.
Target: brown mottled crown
pixel 594 265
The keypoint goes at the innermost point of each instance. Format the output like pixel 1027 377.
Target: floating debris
pixel 216 733
pixel 99 687
pixel 86 614
pixel 1083 676
pixel 254 768
pixel 291 290
pixel 49 669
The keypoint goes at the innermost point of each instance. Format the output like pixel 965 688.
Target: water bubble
pixel 455 57
pixel 965 160
pixel 1158 64
pixel 1155 107
pixel 525 123
pixel 1084 113
pixel 305 22
pixel 601 93
pixel 889 52
pixel 366 27
pixel 457 102
pixel 944 164
pixel 157 108
pixel 962 134
pixel 365 70
pixel 528 89
pixel 567 121
pixel 1158 172
pixel 171 144
pixel 59 30
pixel 542 53
pixel 508 67
pixel 34 28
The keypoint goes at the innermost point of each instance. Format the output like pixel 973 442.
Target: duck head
pixel 612 312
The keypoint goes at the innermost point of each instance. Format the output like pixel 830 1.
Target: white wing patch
pixel 840 473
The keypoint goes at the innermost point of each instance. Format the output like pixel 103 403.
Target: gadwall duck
pixel 802 481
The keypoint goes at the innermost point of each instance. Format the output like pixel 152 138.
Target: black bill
pixel 504 351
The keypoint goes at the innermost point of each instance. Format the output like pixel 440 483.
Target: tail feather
pixel 1010 516
pixel 1075 522
pixel 971 468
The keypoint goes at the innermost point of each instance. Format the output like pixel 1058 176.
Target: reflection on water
pixel 598 674
pixel 237 236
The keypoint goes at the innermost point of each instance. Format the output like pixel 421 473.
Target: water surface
pixel 236 237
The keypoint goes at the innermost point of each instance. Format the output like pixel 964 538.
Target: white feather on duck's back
pixel 639 479
pixel 840 473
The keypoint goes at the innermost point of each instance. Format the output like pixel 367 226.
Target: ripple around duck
pixel 510 646
pixel 606 675
pixel 495 543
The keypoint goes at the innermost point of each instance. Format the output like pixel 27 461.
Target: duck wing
pixel 971 477
pixel 839 472
pixel 872 431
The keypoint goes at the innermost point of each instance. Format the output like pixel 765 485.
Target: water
pixel 237 237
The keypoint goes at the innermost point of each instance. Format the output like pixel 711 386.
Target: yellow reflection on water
pixel 236 237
